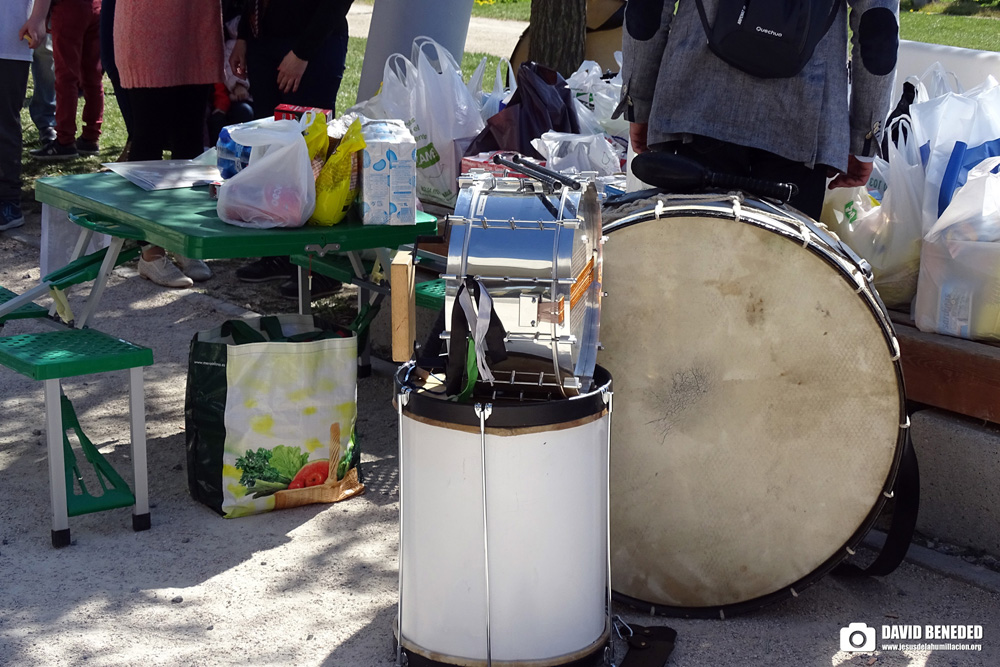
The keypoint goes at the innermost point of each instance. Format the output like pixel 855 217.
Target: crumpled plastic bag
pixel 568 152
pixel 339 181
pixel 277 188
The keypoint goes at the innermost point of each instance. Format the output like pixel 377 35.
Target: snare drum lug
pixel 850 551
pixel 888 494
pixel 794 594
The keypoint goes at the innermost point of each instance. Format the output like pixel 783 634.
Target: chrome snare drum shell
pixel 538 251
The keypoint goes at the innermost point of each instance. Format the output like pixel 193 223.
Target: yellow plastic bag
pixel 317 140
pixel 338 182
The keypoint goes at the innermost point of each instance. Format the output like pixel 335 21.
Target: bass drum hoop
pixel 742 208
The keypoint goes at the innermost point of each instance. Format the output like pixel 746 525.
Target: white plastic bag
pixel 59 238
pixel 447 114
pixel 578 152
pixel 601 96
pixel 491 102
pixel 958 292
pixel 949 130
pixel 896 275
pixel 277 188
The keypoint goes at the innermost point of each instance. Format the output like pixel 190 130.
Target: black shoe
pixel 322 286
pixel 55 151
pixel 45 135
pixel 86 147
pixel 266 268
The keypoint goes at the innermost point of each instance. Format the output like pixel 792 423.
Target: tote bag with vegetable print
pixel 269 413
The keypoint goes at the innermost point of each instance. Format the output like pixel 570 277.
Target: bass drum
pixel 759 408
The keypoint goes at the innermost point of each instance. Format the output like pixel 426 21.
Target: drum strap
pixel 906 493
pixel 459 357
pixel 649 646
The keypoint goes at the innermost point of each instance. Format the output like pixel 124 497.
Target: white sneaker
pixel 195 269
pixel 163 272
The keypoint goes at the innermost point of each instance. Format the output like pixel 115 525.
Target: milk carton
pixel 388 174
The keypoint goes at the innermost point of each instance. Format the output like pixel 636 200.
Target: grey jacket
pixel 676 84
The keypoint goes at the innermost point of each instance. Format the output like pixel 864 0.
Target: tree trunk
pixel 558 32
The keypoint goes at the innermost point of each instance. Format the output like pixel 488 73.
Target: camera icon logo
pixel 857 637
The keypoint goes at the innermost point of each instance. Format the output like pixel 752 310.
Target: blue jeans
pixel 42 107
pixel 13 85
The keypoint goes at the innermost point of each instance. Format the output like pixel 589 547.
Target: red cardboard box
pixel 294 112
pixel 485 161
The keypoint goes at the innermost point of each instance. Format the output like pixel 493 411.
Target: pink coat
pixel 165 43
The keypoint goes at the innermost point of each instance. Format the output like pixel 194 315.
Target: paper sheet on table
pixel 169 174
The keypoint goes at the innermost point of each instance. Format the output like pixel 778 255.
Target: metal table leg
pixel 57 463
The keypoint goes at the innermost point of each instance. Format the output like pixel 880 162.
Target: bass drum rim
pixel 768 217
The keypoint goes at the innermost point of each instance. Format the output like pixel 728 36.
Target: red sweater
pixel 164 43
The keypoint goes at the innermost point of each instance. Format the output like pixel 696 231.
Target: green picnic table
pixel 184 221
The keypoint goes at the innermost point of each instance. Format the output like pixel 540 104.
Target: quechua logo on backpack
pixel 770 39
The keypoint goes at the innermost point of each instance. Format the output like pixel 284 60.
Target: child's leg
pixel 68 25
pixel 92 76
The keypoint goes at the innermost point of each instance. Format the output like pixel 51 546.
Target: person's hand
pixel 240 93
pixel 33 30
pixel 637 134
pixel 857 174
pixel 290 72
pixel 238 59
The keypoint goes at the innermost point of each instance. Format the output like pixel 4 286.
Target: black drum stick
pixel 679 173
pixel 547 176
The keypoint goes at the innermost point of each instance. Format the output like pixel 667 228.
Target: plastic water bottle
pixel 232 157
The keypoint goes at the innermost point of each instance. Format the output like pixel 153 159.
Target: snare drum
pixel 760 410
pixel 538 252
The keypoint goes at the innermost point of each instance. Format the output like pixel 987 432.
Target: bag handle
pixel 499 83
pixel 401 69
pixel 241 332
pixel 441 55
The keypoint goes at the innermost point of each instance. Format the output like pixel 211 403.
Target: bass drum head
pixel 757 412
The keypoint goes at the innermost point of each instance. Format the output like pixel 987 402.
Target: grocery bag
pixel 542 102
pixel 277 188
pixel 958 291
pixel 269 414
pixel 447 114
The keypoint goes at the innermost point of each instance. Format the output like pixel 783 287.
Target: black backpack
pixel 770 39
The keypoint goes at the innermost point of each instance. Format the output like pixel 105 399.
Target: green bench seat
pixel 52 355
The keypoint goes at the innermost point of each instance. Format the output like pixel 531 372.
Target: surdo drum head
pixel 758 404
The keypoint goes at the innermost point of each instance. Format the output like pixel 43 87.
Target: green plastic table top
pixel 27 311
pixel 68 352
pixel 184 220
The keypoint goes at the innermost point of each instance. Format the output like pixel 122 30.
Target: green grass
pixel 975 32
